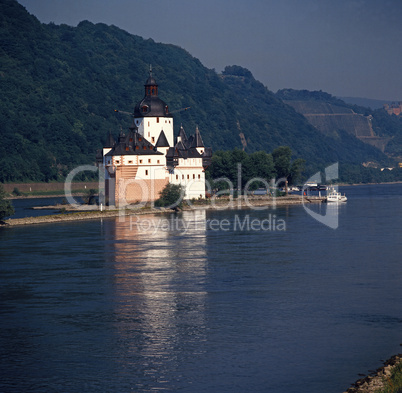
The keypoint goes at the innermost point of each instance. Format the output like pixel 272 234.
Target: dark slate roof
pixel 189 142
pixel 193 153
pixel 151 81
pixel 109 141
pixel 133 144
pixel 182 135
pixel 197 141
pixel 151 105
pixel 185 152
pixel 207 157
pixel 187 148
pixel 162 140
pixel 172 152
pixel 207 152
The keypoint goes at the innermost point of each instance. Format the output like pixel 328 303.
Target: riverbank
pixel 387 379
pixel 86 212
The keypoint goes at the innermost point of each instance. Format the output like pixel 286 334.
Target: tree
pixel 90 197
pixel 284 167
pixel 6 207
pixel 171 196
pixel 296 169
pixel 281 156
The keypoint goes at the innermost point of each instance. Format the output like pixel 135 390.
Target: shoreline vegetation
pixel 386 379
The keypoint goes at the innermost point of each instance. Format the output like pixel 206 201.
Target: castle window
pixel 177 177
pixel 146 172
pixel 140 139
pixel 140 161
pixel 117 162
pixel 158 161
pixel 153 139
pixel 137 147
pixel 199 176
pixel 127 148
pixel 188 176
pixel 144 109
pixel 182 176
pixel 130 162
pixel 149 160
pixel 157 119
pixel 144 148
pixel 131 139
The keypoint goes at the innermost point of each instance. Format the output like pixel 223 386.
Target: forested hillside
pixel 59 86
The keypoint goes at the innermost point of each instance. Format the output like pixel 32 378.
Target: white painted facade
pixel 151 127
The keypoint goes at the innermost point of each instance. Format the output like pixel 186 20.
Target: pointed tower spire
pixel 182 137
pixel 110 142
pixel 151 87
pixel 197 141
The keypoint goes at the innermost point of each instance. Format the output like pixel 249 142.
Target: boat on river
pixel 333 196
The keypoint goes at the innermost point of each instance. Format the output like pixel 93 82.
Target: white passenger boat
pixel 333 196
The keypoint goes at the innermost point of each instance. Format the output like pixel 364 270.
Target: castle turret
pixel 151 114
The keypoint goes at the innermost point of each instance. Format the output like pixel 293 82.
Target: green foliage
pixel 17 192
pixel 6 207
pixel 230 167
pixel 354 174
pixel 171 196
pixel 306 95
pixel 90 196
pixel 59 86
pixel 235 70
pixel 281 156
pixel 296 169
pixel 394 383
pixel 284 166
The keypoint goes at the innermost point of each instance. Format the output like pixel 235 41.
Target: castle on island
pixel 141 162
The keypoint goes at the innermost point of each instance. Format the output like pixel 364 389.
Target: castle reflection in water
pixel 159 279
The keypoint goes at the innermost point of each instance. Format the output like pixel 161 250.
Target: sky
pixel 348 48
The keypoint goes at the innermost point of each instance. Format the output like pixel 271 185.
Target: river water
pixel 206 301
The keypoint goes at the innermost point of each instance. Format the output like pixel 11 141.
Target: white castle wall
pixel 151 127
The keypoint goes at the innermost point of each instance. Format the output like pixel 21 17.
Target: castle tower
pixel 151 114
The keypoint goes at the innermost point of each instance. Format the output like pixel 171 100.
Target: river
pixel 204 301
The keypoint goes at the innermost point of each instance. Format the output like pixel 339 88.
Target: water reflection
pixel 160 272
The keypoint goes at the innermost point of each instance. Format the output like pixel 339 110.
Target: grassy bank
pixel 393 383
pixel 387 379
pixel 44 194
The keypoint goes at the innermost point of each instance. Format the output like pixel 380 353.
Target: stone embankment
pixel 372 383
pixel 76 213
